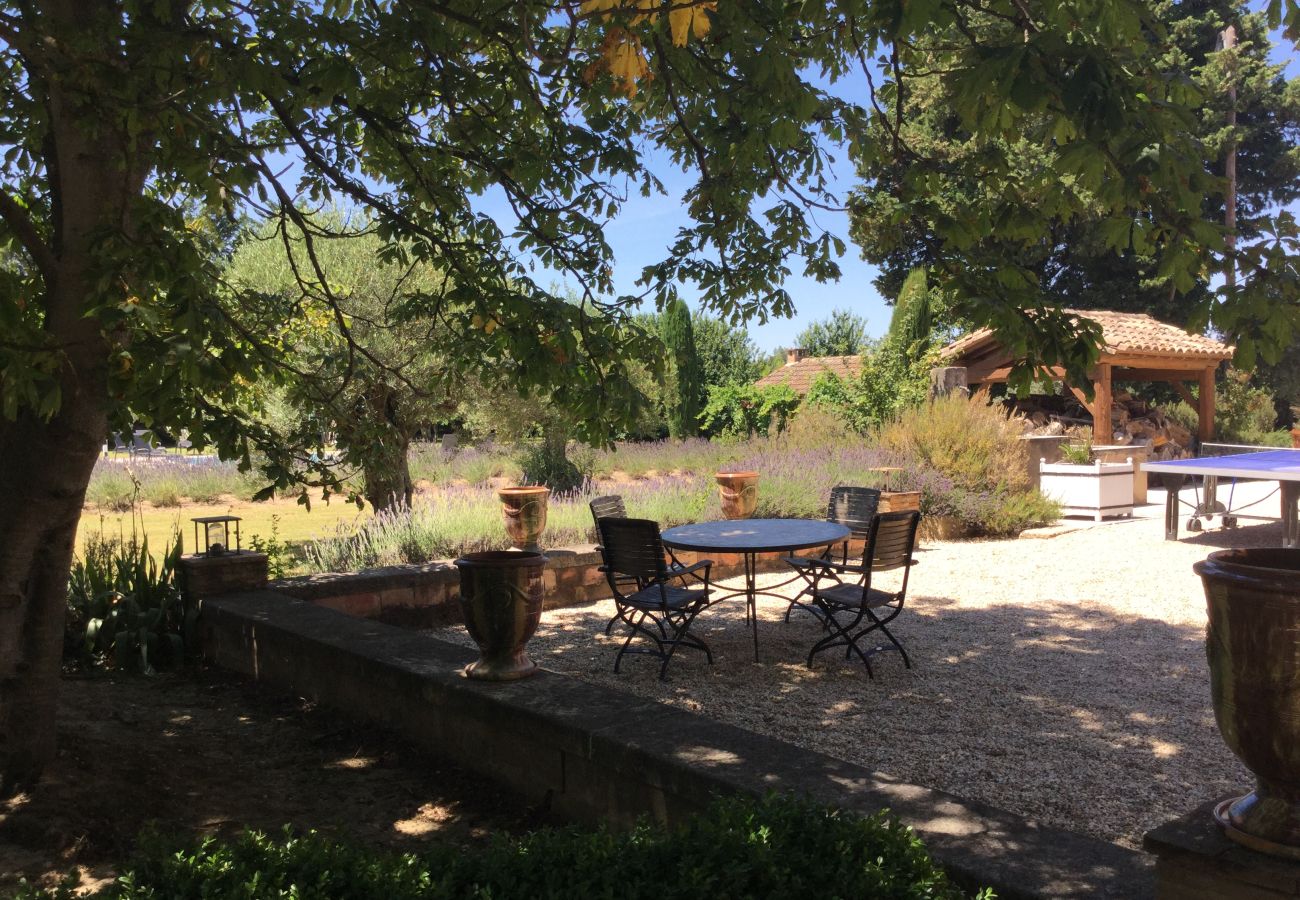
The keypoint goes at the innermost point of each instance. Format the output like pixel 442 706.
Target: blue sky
pixel 646 226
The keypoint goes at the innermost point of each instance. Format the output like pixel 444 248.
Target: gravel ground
pixel 1063 678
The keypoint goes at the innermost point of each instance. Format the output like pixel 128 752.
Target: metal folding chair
pixel 855 610
pixel 648 604
pixel 852 507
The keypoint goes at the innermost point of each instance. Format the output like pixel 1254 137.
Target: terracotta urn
pixel 1253 646
pixel 501 599
pixel 524 509
pixel 739 491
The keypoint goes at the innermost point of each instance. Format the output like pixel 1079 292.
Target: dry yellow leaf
pixel 595 6
pixel 686 21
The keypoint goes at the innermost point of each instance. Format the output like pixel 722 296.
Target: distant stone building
pixel 801 370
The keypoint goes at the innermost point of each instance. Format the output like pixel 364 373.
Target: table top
pixel 1272 465
pixel 754 535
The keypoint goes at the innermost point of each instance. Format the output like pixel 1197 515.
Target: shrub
pixel 890 382
pixel 741 411
pixel 975 444
pixel 124 606
pixel 776 847
pixel 544 462
pixel 1243 413
pixel 112 487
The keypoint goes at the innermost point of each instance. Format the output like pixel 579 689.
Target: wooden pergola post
pixel 1205 405
pixel 1102 400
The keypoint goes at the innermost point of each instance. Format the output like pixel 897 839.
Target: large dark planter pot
pixel 1253 645
pixel 501 600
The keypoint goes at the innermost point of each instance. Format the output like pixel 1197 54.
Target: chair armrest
pixel 693 567
pixel 829 565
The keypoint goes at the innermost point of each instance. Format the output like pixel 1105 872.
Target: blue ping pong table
pixel 1238 463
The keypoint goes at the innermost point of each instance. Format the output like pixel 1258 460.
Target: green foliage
pixel 912 324
pixel 686 373
pixel 1077 452
pixel 548 463
pixel 1243 413
pixel 746 410
pixel 971 441
pixel 843 334
pixel 279 556
pixel 124 606
pixel 775 847
pixel 988 212
pixel 889 383
pixel 725 353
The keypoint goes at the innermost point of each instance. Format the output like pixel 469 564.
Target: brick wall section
pixel 425 596
pixel 231 573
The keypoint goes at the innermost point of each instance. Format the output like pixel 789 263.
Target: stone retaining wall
pixel 602 755
pixel 424 596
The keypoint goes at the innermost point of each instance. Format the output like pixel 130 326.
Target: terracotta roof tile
pixel 800 375
pixel 1123 333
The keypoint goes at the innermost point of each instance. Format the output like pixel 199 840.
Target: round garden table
pixel 750 537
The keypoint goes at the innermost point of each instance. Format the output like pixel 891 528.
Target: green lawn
pixel 296 523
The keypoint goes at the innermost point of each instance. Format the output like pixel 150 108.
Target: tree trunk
pixel 96 171
pixel 44 470
pixel 384 461
pixel 388 475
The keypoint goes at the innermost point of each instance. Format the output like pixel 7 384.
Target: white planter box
pixel 1099 490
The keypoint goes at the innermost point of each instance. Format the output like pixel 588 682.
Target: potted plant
pixel 524 510
pixel 501 600
pixel 739 493
pixel 1252 644
pixel 1084 487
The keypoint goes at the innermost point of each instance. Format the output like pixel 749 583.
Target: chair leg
pixel 839 634
pixel 681 636
pixel 637 626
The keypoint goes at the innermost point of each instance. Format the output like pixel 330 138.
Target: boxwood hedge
pixel 739 848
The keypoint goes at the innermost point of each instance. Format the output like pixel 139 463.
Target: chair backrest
pixel 632 547
pixel 607 507
pixel 141 440
pixel 853 507
pixel 891 540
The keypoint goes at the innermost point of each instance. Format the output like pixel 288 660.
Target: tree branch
pixel 16 217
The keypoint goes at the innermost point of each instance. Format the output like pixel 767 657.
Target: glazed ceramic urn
pixel 501 599
pixel 739 493
pixel 524 510
pixel 1253 646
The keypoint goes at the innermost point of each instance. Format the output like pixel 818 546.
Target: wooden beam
pixel 1101 428
pixel 1185 394
pixel 1136 373
pixel 999 375
pixel 1158 361
pixel 1083 398
pixel 1205 410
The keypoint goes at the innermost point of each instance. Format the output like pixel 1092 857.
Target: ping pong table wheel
pixel 1229 521
pixel 1193 524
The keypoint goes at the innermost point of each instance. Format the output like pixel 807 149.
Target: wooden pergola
pixel 1136 347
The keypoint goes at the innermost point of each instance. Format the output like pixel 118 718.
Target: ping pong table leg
pixel 1290 491
pixel 1171 513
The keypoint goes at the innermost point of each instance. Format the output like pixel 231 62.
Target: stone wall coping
pixel 1196 839
pixel 328 584
pixel 684 755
